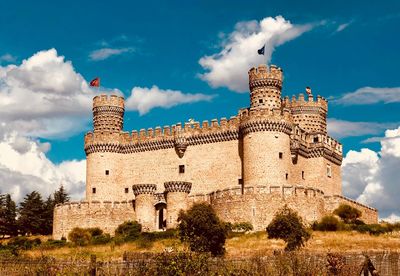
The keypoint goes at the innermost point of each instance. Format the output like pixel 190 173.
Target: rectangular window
pixel 93 190
pixel 107 172
pixel 240 181
pixel 181 168
pixel 329 170
pixel 260 101
pixel 302 174
pixel 280 155
pixel 126 190
pixel 287 176
pixel 315 139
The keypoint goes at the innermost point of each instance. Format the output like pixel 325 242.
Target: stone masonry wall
pixel 106 215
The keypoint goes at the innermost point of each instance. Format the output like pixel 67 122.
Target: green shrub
pixel 347 213
pixel 49 244
pixel 288 226
pixel 242 227
pixel 129 230
pixel 100 239
pixel 96 231
pixel 23 243
pixel 373 229
pixel 79 236
pixel 327 223
pixel 202 229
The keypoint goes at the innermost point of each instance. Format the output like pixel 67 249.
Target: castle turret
pixel 265 86
pixel 177 199
pixel 309 114
pixel 108 113
pixel 265 130
pixel 144 205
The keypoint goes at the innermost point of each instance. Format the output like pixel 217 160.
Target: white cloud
pixel 340 128
pixel 392 218
pixel 370 95
pixel 105 53
pixel 43 97
pixel 373 177
pixel 143 99
pixel 22 171
pixel 7 58
pixel 229 67
pixel 343 26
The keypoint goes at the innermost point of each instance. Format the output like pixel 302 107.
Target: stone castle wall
pixel 107 215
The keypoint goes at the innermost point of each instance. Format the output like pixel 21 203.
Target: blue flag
pixel 261 51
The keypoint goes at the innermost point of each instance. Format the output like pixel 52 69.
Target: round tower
pixel 310 115
pixel 144 205
pixel 108 113
pixel 265 130
pixel 265 86
pixel 177 199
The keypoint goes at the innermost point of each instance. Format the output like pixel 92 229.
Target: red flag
pixel 95 82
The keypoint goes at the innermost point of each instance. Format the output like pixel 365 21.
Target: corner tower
pixel 108 113
pixel 265 86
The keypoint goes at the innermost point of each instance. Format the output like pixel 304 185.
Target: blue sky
pixel 347 51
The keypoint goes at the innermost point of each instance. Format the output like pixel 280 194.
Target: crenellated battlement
pixel 105 100
pixel 140 189
pixel 300 103
pixel 93 205
pixel 265 76
pixel 177 187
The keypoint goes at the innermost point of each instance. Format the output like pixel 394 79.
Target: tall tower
pixel 108 113
pixel 265 128
pixel 265 86
pixel 144 205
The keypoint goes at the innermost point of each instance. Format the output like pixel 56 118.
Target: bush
pixel 96 231
pixel 373 229
pixel 202 229
pixel 79 236
pixel 182 263
pixel 100 239
pixel 327 223
pixel 242 227
pixel 347 213
pixel 23 243
pixel 288 226
pixel 129 230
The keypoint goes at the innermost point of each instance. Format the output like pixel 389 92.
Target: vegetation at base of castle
pixel 288 226
pixel 201 228
pixel 33 216
pixel 347 213
pixel 239 227
pixel 349 221
pixel 128 231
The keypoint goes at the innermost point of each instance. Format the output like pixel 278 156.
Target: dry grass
pixel 247 245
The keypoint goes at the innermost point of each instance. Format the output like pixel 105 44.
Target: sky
pixel 175 60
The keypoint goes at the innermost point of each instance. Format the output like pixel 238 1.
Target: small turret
pixel 108 113
pixel 265 86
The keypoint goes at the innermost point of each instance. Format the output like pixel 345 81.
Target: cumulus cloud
pixel 372 177
pixel 26 168
pixel 229 67
pixel 370 95
pixel 105 53
pixel 341 128
pixel 43 97
pixel 143 99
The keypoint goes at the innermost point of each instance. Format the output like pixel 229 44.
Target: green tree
pixel 48 210
pixel 8 217
pixel 31 214
pixel 347 213
pixel 288 226
pixel 129 230
pixel 61 196
pixel 202 229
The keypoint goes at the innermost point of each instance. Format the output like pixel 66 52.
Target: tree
pixel 31 219
pixel 288 226
pixel 129 230
pixel 202 229
pixel 8 214
pixel 347 213
pixel 48 210
pixel 60 196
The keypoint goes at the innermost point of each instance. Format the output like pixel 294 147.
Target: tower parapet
pixel 309 114
pixel 265 85
pixel 108 113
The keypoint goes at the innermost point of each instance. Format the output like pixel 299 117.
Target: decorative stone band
pixel 159 198
pixel 139 189
pixel 307 109
pixel 178 186
pixel 157 144
pixel 265 82
pixel 265 125
pixel 108 108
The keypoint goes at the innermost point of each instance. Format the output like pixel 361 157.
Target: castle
pixel 273 153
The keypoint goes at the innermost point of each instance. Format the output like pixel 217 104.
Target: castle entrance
pixel 161 214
